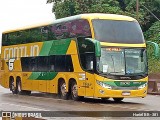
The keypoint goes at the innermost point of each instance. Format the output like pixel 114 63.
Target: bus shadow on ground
pixel 86 100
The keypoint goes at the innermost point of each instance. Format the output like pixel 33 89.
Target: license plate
pixel 126 93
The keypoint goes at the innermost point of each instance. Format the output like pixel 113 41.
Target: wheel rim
pixel 63 89
pixel 74 91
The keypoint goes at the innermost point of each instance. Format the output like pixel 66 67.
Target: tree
pixel 64 8
pixel 153 33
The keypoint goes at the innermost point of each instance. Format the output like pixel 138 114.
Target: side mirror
pixel 97 46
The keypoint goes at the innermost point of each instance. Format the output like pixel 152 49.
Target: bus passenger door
pixel 89 84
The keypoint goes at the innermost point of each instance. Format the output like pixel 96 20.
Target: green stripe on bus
pixel 60 47
pixel 125 83
pixel 46 48
pixel 55 47
pixel 43 75
pixel 34 75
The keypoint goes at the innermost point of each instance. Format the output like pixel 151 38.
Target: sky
pixel 19 13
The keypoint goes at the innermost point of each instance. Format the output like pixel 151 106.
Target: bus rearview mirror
pixel 97 46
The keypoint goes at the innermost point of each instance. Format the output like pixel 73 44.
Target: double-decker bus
pixel 88 55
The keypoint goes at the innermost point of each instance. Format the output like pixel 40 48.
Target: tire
pixel 20 91
pixel 118 99
pixel 12 87
pixel 104 99
pixel 62 90
pixel 74 92
pixel 18 86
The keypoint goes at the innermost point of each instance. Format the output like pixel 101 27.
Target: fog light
pixel 101 91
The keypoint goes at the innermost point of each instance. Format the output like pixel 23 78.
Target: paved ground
pixel 47 102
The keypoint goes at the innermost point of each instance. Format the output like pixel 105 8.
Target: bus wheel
pixel 12 88
pixel 118 99
pixel 19 89
pixel 62 90
pixel 74 91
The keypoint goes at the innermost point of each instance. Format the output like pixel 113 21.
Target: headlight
pixel 104 85
pixel 142 86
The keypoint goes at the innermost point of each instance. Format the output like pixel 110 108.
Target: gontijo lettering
pixel 16 52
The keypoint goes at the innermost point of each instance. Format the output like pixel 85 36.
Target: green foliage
pixel 153 34
pixel 65 8
pixel 153 65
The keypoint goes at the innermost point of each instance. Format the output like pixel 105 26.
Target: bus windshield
pixel 116 61
pixel 116 31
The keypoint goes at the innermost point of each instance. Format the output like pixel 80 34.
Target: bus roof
pixel 81 16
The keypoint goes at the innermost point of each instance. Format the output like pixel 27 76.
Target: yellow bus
pixel 87 55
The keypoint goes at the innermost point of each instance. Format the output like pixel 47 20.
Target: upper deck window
pixel 61 30
pixel 118 31
pixel 71 29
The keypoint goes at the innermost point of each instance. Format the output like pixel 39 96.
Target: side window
pixel 29 64
pixel 44 33
pixel 35 35
pixel 86 53
pixel 51 35
pixel 63 63
pixel 25 63
pixel 42 63
pixel 19 37
pixel 57 30
pixel 5 39
pixel 69 64
pixel 33 64
pixel 60 63
pixel 70 29
pixel 79 28
pixel 52 63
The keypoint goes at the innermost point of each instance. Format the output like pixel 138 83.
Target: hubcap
pixel 63 89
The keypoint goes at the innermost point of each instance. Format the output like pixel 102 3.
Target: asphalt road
pixel 48 102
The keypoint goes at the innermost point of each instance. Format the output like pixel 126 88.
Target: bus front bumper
pixel 110 93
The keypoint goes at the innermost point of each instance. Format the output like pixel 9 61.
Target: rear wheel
pixel 74 91
pixel 12 87
pixel 19 89
pixel 118 99
pixel 63 90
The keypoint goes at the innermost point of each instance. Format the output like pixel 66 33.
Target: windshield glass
pixel 117 31
pixel 116 61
